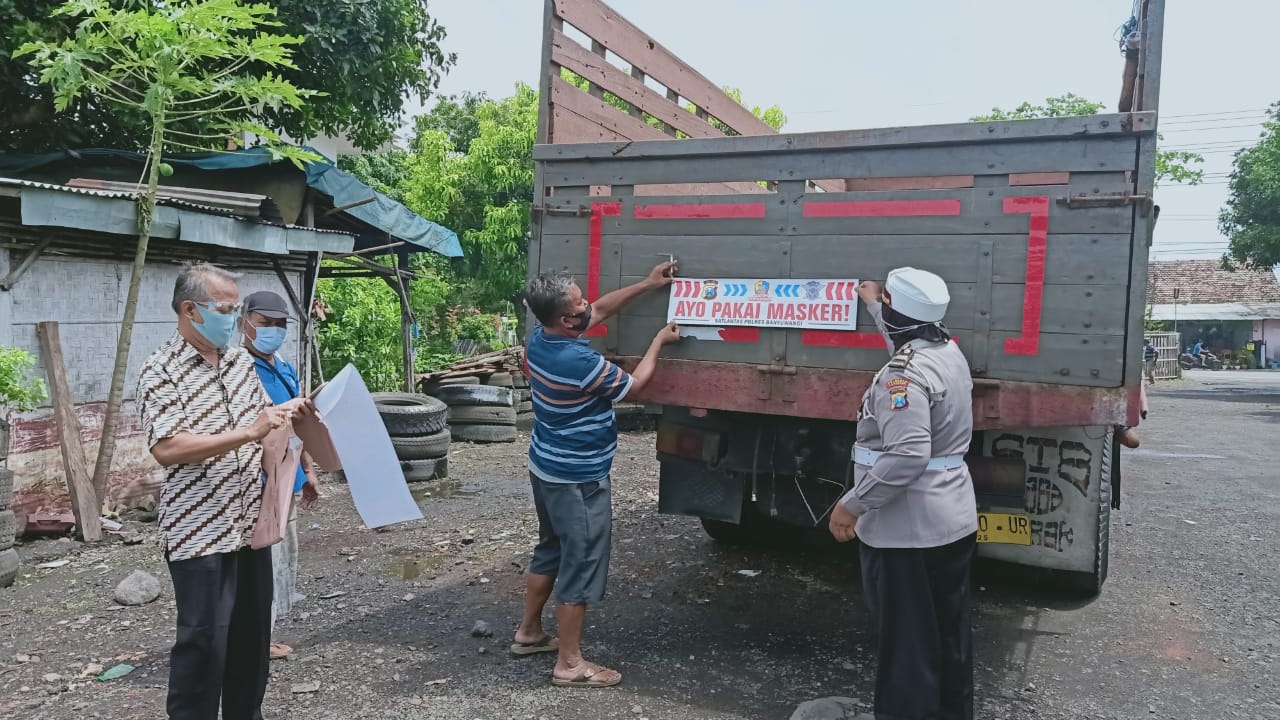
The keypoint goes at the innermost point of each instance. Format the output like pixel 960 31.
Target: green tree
pixel 168 64
pixel 368 57
pixel 1251 218
pixel 1171 165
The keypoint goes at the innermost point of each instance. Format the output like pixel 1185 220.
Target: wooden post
pixel 84 501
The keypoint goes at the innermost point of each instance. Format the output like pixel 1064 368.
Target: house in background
pixel 1228 310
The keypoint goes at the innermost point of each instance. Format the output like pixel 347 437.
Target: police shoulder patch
pixel 897 387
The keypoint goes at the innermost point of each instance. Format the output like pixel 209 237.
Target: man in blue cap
pixel 265 325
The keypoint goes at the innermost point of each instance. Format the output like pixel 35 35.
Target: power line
pixel 1218 127
pixel 1220 112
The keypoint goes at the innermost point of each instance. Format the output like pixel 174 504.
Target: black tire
pixel 8 526
pixel 6 488
pixel 485 395
pixel 1089 584
pixel 524 421
pixel 481 415
pixel 525 407
pixel 523 395
pixel 461 380
pixel 485 433
pixel 758 531
pixel 425 447
pixel 8 567
pixel 500 379
pixel 519 381
pixel 411 414
pixel 425 470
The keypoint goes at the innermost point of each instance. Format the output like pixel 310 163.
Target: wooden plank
pixel 571 124
pixel 1077 129
pixel 602 74
pixel 1113 154
pixel 84 501
pixel 1041 178
pixel 593 89
pixel 928 182
pixel 546 121
pixel 602 24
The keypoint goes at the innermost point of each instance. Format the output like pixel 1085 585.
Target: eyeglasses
pixel 220 308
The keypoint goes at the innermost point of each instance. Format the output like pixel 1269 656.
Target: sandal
pixel 589 678
pixel 546 644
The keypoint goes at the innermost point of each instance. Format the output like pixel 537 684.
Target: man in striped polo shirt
pixel 575 436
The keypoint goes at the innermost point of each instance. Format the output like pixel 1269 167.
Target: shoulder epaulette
pixel 902 358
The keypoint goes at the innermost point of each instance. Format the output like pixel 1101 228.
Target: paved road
pixel 1187 627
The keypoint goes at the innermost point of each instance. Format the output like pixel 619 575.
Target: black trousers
pixel 224 636
pixel 920 613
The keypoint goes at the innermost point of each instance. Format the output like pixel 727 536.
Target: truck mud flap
pixel 687 488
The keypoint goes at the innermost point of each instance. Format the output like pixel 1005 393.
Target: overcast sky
pixel 847 64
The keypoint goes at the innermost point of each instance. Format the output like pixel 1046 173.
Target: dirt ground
pixel 1188 625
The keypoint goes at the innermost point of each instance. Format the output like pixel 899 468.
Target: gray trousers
pixel 284 567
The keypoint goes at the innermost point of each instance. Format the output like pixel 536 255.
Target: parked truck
pixel 1040 227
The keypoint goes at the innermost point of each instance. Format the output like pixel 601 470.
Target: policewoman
pixel 912 504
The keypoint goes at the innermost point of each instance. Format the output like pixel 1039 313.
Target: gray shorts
pixel 575 528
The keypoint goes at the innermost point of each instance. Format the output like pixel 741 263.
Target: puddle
pixel 411 567
pixel 445 488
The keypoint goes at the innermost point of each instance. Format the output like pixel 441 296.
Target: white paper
pixel 764 302
pixel 373 473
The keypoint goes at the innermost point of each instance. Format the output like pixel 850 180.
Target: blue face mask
pixel 214 326
pixel 267 340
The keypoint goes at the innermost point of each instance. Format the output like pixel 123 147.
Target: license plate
pixel 1006 528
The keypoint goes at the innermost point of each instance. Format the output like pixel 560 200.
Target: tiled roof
pixel 1205 282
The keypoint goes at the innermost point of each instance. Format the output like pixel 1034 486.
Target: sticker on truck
pixel 764 302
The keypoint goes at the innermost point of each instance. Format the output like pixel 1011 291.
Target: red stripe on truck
pixel 1028 343
pixel 882 208
pixel 690 211
pixel 594 241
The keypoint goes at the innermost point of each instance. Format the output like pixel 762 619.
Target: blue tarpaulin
pixel 323 176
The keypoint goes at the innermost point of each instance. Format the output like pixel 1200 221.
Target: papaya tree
pixel 181 63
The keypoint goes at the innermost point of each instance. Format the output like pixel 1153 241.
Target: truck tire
pixel 525 406
pixel 500 379
pixel 8 567
pixel 485 395
pixel 481 415
pixel 6 488
pixel 1089 584
pixel 485 433
pixel 425 470
pixel 524 421
pixel 411 414
pixel 461 380
pixel 8 526
pixel 519 381
pixel 425 447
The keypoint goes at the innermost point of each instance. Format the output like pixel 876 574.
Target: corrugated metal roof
pixel 1215 311
pixel 127 191
pixel 241 204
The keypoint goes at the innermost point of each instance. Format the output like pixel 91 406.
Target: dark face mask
pixel 583 320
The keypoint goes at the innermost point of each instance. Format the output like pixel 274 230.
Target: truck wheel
pixel 1089 584
pixel 6 487
pixel 727 532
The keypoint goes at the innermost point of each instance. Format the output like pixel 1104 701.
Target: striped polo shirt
pixel 575 433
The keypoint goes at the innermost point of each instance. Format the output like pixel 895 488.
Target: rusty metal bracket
pixel 1104 200
pixel 16 273
pixel 576 211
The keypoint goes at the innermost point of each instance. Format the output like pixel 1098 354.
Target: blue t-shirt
pixel 575 433
pixel 281 383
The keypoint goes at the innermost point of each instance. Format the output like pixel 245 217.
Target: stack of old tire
pixel 419 430
pixel 8 524
pixel 480 413
pixel 523 400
